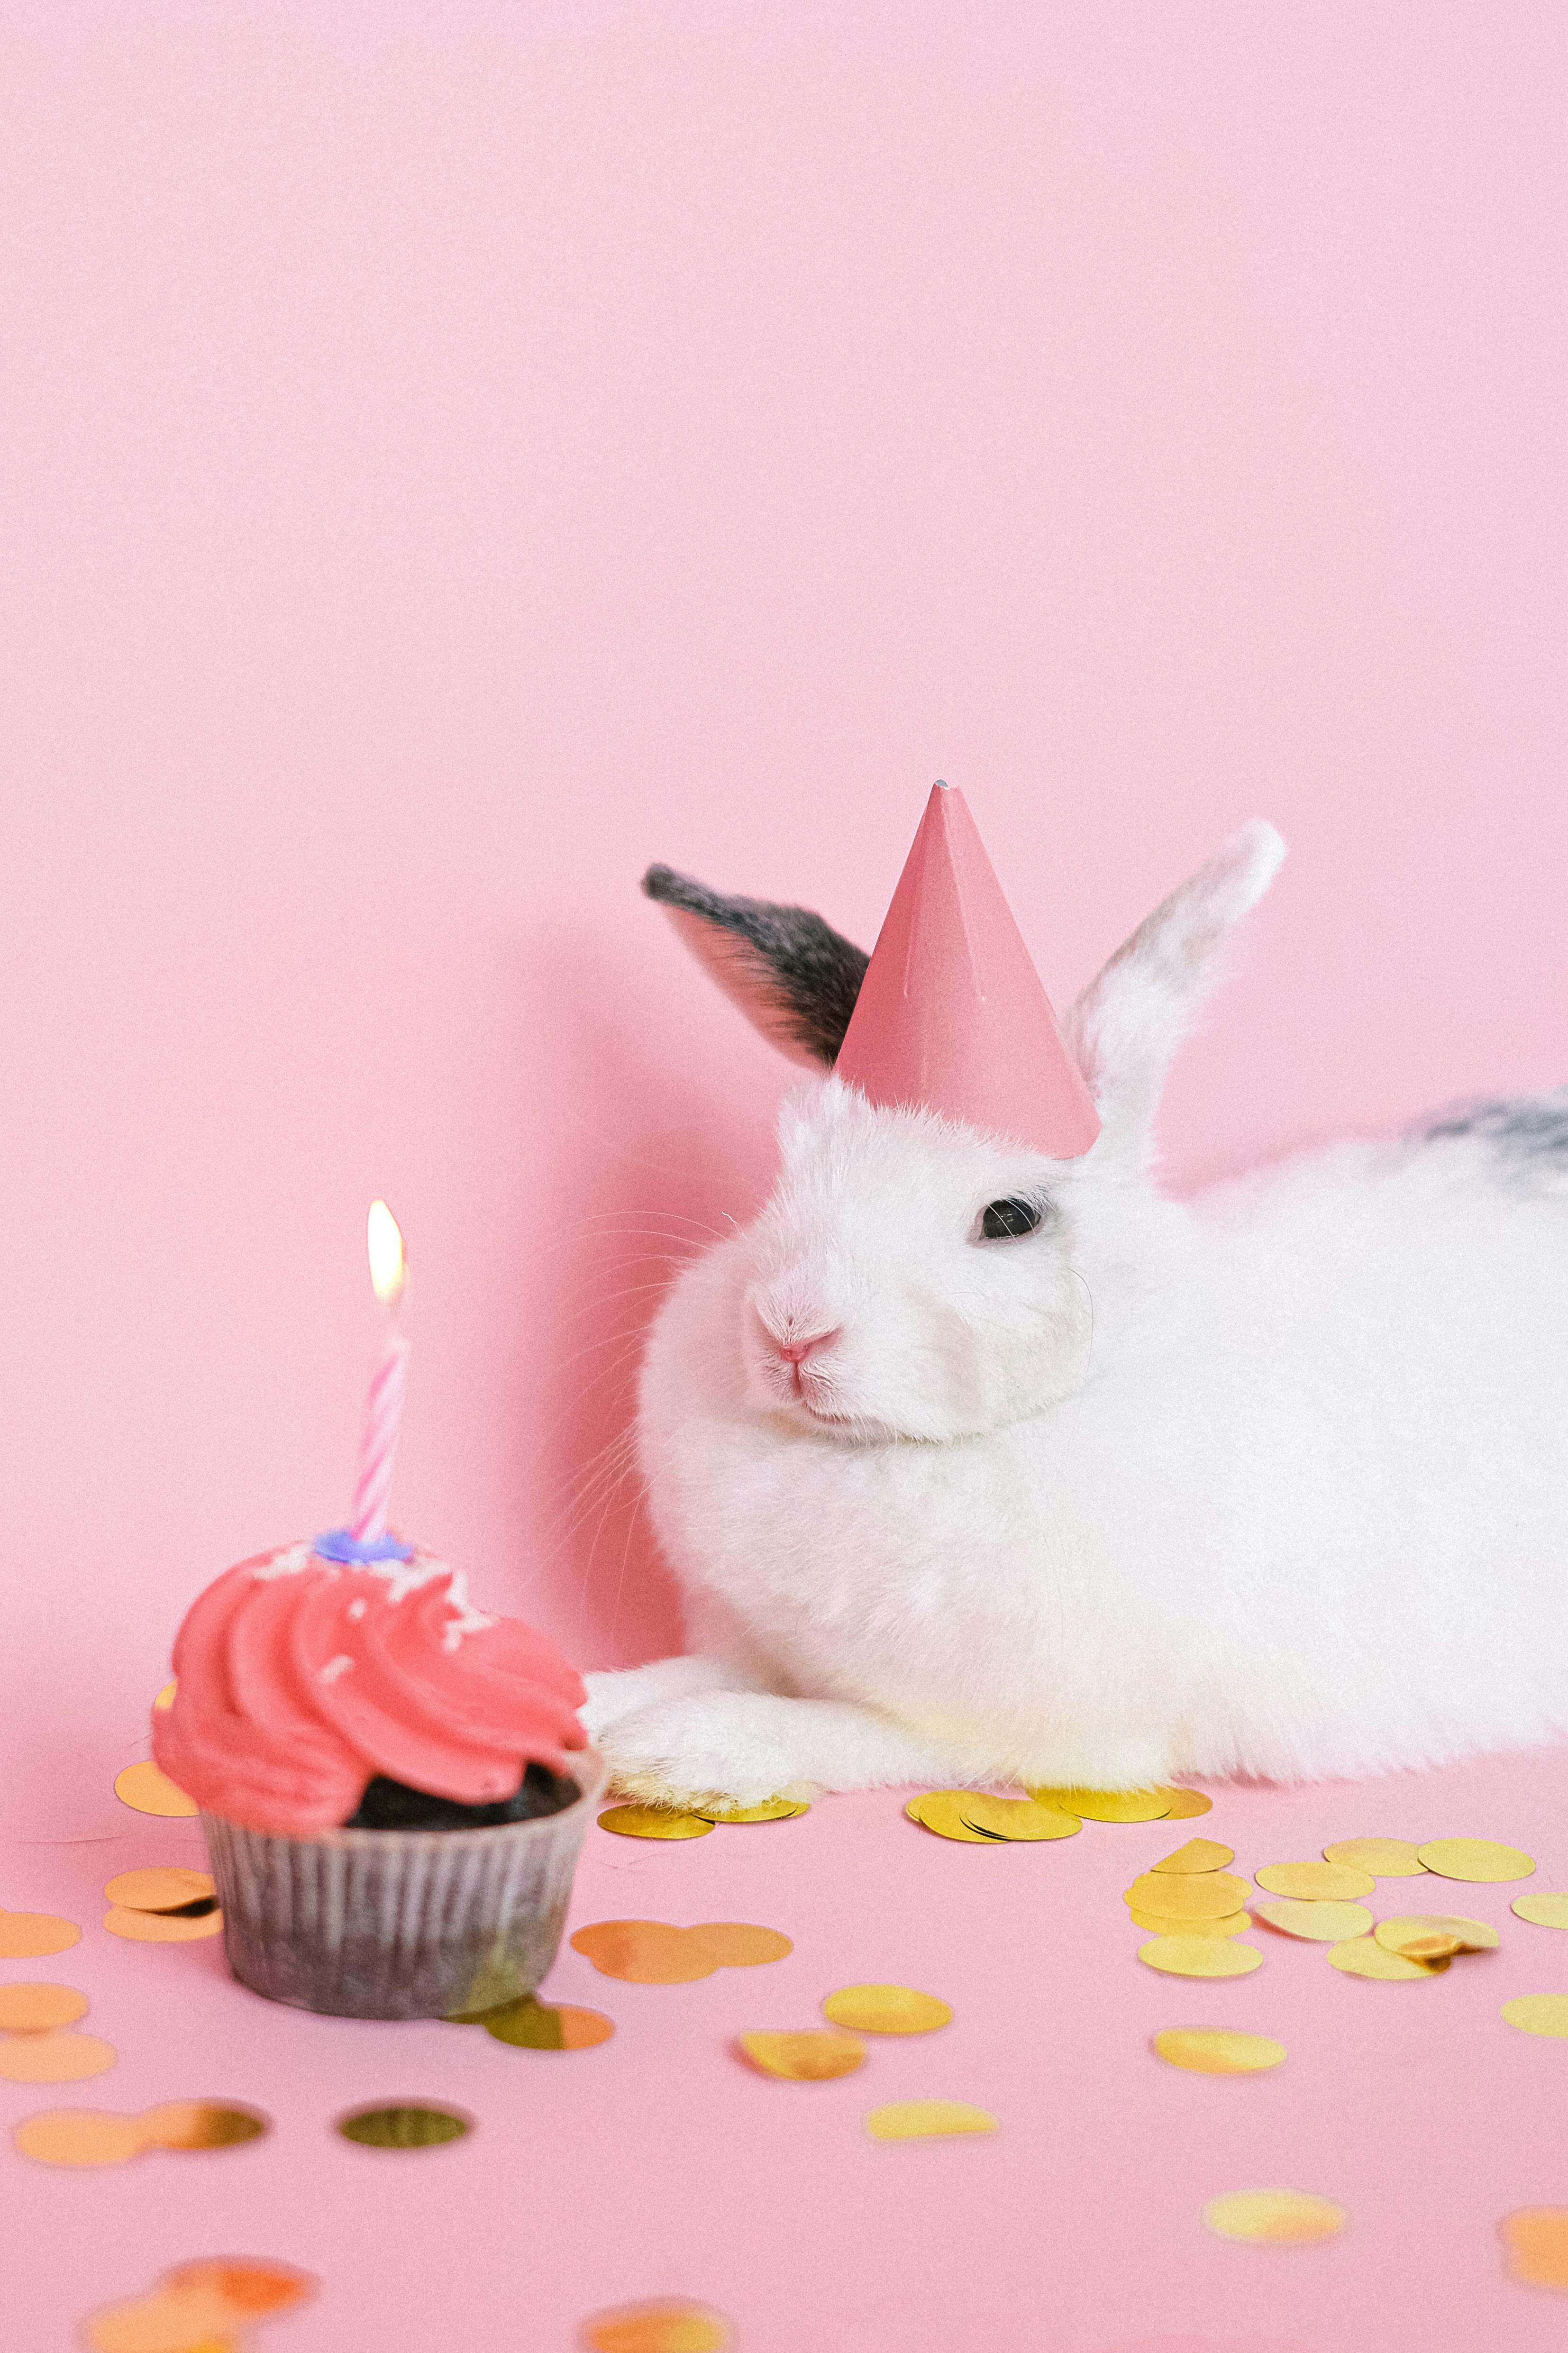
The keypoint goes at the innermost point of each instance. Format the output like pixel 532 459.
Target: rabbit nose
pixel 796 1352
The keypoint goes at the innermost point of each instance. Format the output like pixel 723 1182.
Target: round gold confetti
pixel 406 2125
pixel 1197 1896
pixel 1322 1924
pixel 162 1927
pixel 1018 1817
pixel 737 1945
pixel 1316 1883
pixel 1538 2014
pixel 1199 1956
pixel 1198 1855
pixel 1431 1935
pixel 771 1810
pixel 1186 1805
pixel 1384 1858
pixel 644 1952
pixel 810 2055
pixel 886 2010
pixel 28 1936
pixel 82 2137
pixel 1478 1861
pixel 1160 1924
pixel 1546 1911
pixel 1111 1805
pixel 200 2124
pixel 61 2058
pixel 165 1698
pixel 926 2119
pixel 942 1810
pixel 35 2008
pixel 146 1790
pixel 1275 2218
pixel 664 2325
pixel 1363 1957
pixel 653 1822
pixel 198 2307
pixel 1536 2238
pixel 160 1887
pixel 530 2025
pixel 1216 2051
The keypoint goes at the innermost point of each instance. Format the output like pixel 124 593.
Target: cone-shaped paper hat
pixel 950 1014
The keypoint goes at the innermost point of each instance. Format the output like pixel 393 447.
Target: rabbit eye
pixel 1005 1221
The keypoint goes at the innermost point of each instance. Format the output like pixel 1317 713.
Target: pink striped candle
pixel 384 1398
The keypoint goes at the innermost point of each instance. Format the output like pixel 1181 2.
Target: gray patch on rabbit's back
pixel 1521 1127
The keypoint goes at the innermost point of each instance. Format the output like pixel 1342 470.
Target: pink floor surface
pixel 659 2163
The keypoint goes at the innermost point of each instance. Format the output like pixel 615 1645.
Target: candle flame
pixel 389 1269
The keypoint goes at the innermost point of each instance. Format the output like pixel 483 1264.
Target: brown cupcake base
pixel 400 1923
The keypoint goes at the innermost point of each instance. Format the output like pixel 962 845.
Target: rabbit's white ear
pixel 793 975
pixel 1127 1024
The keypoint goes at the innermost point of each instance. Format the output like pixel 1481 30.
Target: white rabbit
pixel 1274 1482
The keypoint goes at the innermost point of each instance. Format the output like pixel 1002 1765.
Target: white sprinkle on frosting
pixel 334 1668
pixel 288 1562
pixel 358 1608
pixel 466 1619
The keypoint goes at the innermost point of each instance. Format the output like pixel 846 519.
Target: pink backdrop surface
pixel 454 455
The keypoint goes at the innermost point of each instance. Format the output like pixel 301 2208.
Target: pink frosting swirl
pixel 296 1679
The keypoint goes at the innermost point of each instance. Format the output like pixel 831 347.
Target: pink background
pixel 456 455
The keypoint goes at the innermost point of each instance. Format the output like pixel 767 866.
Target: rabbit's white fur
pixel 1274 1482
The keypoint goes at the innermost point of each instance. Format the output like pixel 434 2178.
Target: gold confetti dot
pixel 737 1945
pixel 146 1790
pixel 1018 1817
pixel 810 2055
pixel 644 1952
pixel 1275 2218
pixel 1546 1911
pixel 165 1699
pixel 198 2307
pixel 1186 1805
pixel 1431 1935
pixel 61 2058
pixel 1198 1855
pixel 664 2325
pixel 653 1822
pixel 886 2010
pixel 1363 1957
pixel 79 2136
pixel 926 2119
pixel 1478 1861
pixel 771 1810
pixel 1161 1923
pixel 161 1887
pixel 35 2008
pixel 200 2124
pixel 530 2025
pixel 162 1927
pixel 1196 1896
pixel 1384 1858
pixel 1216 2051
pixel 1538 2014
pixel 1316 1883
pixel 1112 1805
pixel 1323 1924
pixel 1199 1956
pixel 1536 2238
pixel 943 1811
pixel 406 2125
pixel 28 1936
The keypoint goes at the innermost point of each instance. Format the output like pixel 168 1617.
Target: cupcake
pixel 394 1784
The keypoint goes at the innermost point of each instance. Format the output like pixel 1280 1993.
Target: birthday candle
pixel 384 1398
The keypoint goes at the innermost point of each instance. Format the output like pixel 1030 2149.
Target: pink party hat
pixel 950 1014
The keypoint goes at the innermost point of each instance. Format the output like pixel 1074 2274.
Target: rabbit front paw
pixel 711 1748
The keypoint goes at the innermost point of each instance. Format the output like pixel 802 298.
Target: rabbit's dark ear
pixel 793 976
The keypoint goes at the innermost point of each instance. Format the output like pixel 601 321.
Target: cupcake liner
pixel 400 1923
